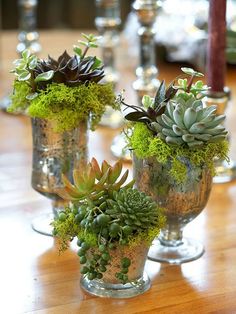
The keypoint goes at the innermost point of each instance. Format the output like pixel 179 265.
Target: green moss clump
pixel 147 236
pixel 140 140
pixel 19 103
pixel 65 230
pixel 88 237
pixel 67 106
pixel 63 105
pixel 146 145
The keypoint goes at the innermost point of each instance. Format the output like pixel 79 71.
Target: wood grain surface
pixel 35 279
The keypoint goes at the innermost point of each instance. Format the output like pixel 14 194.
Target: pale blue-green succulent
pixel 189 123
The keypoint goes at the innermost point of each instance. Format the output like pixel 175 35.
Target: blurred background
pixel 181 25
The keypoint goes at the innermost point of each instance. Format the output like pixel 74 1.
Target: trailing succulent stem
pixel 106 214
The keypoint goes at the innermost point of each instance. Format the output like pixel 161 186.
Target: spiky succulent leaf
pixel 94 181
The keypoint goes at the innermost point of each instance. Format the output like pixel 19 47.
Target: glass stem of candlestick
pixel 225 170
pixel 107 22
pixel 146 82
pixel 28 36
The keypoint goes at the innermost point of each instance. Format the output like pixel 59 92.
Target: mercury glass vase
pixel 182 202
pixel 55 154
pixel 109 286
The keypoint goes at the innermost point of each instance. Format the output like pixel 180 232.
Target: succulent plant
pixel 132 210
pixel 104 215
pixel 178 116
pixel 95 183
pixel 71 71
pixel 153 107
pixel 64 91
pixel 188 122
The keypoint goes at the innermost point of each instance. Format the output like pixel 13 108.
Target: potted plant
pixel 175 140
pixel 114 225
pixel 61 96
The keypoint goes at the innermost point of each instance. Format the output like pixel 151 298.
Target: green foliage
pixel 66 106
pixel 95 184
pixel 154 107
pixel 189 123
pixel 148 235
pixel 19 102
pixel 145 144
pixel 64 91
pixel 65 228
pixel 106 214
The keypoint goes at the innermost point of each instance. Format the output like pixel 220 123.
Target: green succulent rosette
pixel 105 214
pixel 176 124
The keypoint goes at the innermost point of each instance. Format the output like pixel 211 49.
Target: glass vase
pixel 55 154
pixel 182 202
pixel 110 286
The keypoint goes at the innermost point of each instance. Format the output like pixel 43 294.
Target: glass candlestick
pixel 107 22
pixel 147 82
pixel 27 37
pixel 225 171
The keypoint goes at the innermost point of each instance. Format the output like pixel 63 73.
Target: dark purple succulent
pixel 140 114
pixel 69 70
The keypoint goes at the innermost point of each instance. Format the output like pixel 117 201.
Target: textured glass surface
pixel 182 202
pixel 55 154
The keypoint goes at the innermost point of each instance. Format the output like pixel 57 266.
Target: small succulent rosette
pixel 113 222
pixel 176 125
pixel 65 91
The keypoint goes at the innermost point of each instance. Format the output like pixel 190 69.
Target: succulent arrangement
pixel 66 91
pixel 177 124
pixel 106 213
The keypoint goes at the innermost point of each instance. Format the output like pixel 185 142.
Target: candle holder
pixel 27 37
pixel 147 82
pixel 107 22
pixel 146 72
pixel 225 171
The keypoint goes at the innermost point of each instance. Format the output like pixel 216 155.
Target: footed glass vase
pixel 182 202
pixel 109 286
pixel 55 154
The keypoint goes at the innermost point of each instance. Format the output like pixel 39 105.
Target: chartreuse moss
pixel 19 103
pixel 66 229
pixel 146 145
pixel 66 106
pixel 147 236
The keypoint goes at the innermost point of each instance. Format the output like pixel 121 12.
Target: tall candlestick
pixel 216 64
pixel 147 82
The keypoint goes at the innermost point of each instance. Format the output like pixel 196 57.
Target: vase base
pixel 41 224
pixel 225 172
pixel 190 250
pixel 129 290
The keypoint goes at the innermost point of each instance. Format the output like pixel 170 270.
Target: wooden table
pixel 35 279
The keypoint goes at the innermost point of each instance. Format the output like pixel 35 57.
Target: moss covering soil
pixel 146 145
pixel 63 105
